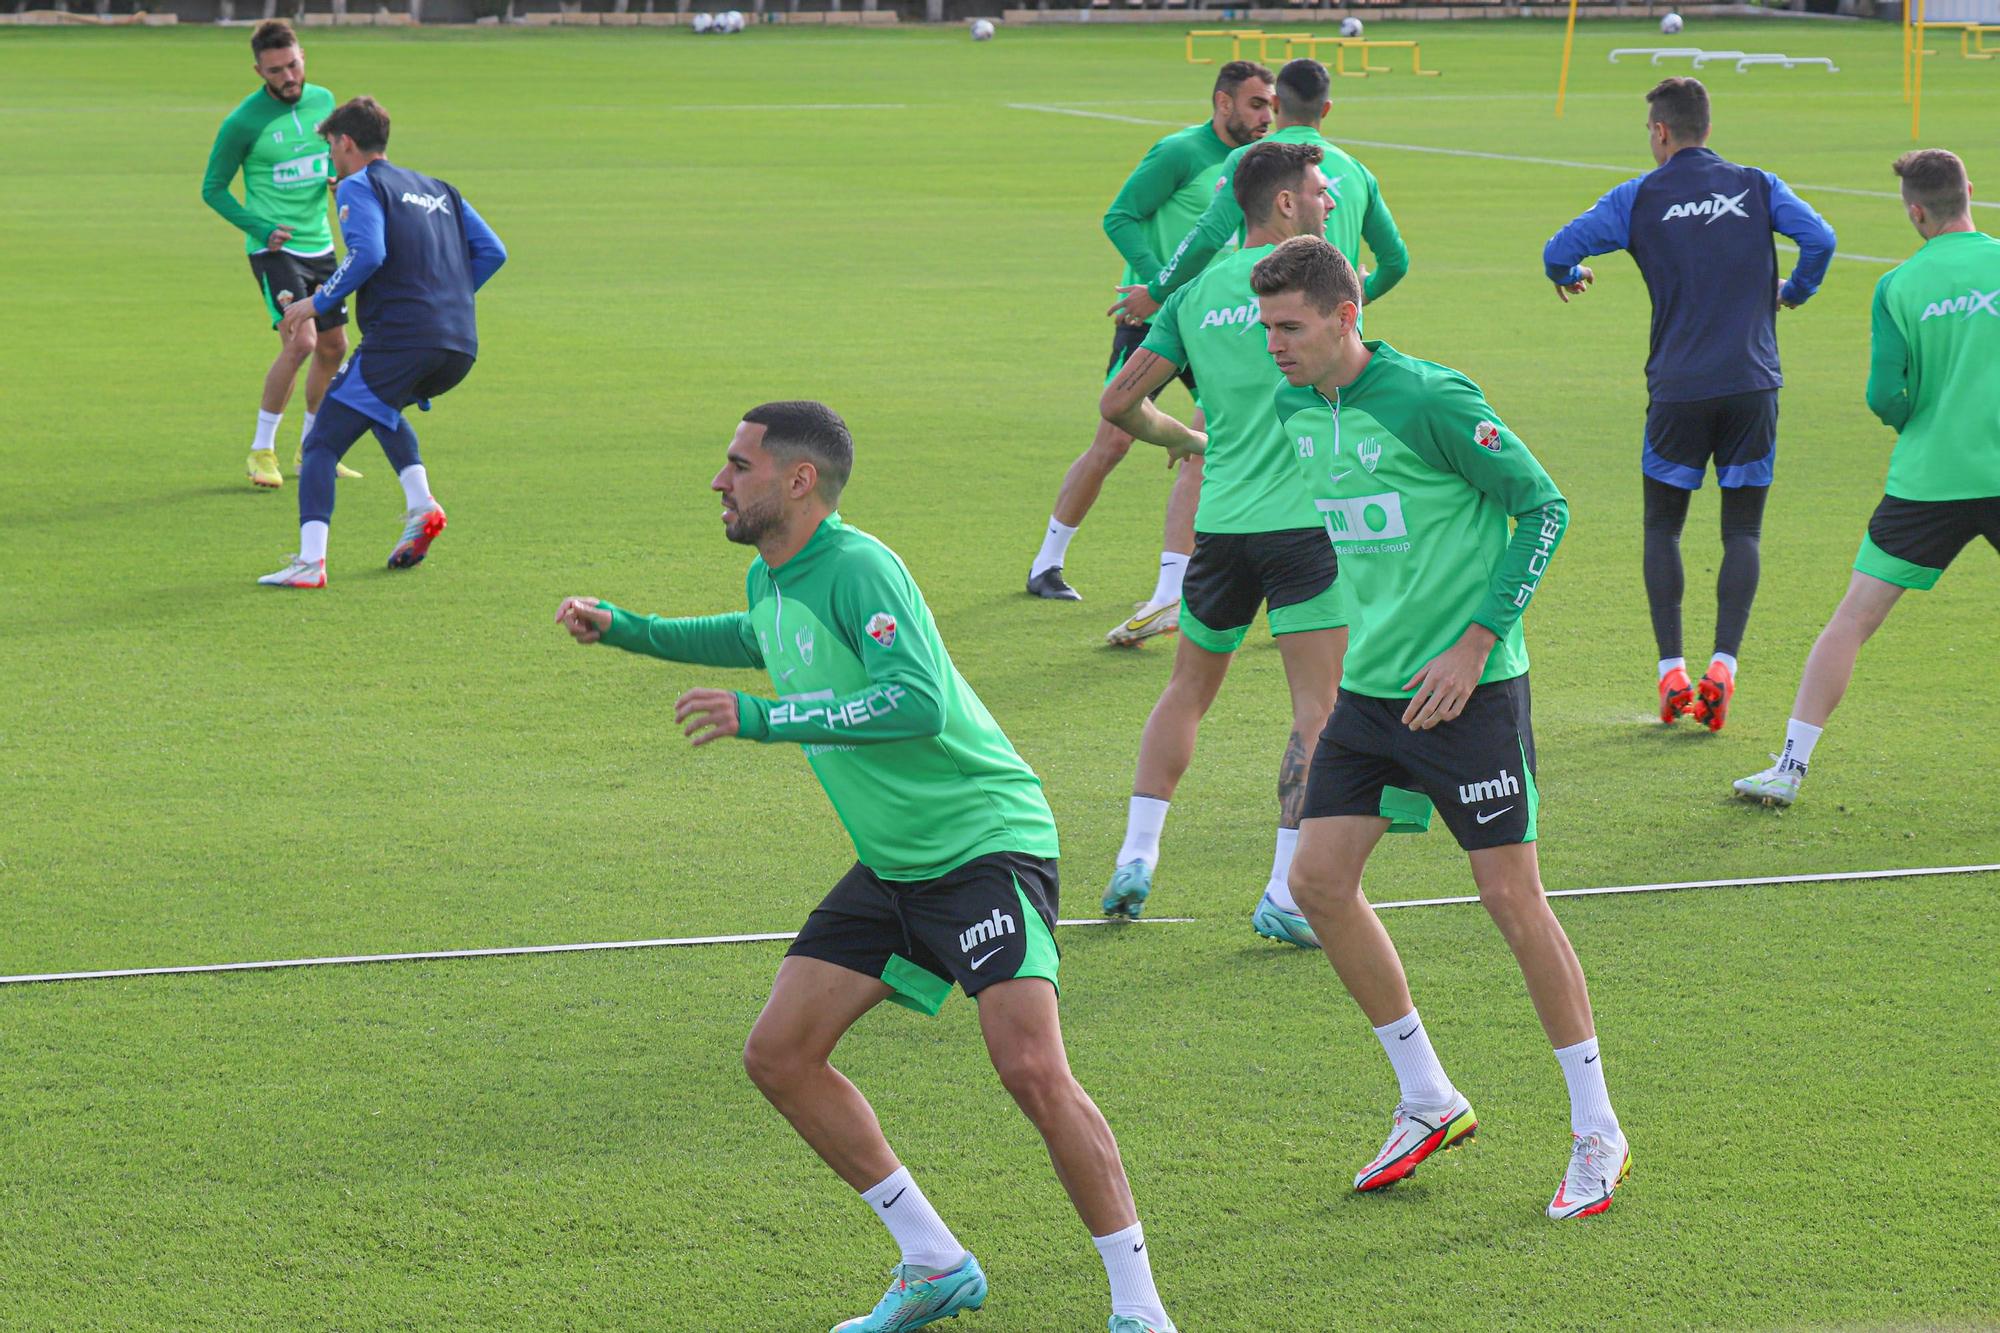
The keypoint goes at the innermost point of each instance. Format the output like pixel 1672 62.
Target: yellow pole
pixel 1569 40
pixel 1917 79
pixel 1906 49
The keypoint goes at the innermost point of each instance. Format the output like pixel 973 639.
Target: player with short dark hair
pixel 416 253
pixel 1160 199
pixel 956 880
pixel 1934 377
pixel 269 138
pixel 1358 214
pixel 1699 227
pixel 1419 482
pixel 1257 540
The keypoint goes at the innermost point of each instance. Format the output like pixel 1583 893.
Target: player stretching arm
pixel 1934 377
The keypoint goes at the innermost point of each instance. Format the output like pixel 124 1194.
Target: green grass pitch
pixel 193 769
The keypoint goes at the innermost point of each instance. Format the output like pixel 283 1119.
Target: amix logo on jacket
pixel 430 203
pixel 1718 205
pixel 1490 790
pixel 1000 923
pixel 1968 305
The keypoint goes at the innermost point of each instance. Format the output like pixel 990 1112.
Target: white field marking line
pixel 745 108
pixel 1055 110
pixel 515 951
pixel 1912 873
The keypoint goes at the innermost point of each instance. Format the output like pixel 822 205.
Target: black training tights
pixel 1735 583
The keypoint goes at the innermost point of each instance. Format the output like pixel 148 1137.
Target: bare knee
pixel 299 343
pixel 1320 889
pixel 1513 904
pixel 1108 449
pixel 1038 1081
pixel 330 348
pixel 773 1064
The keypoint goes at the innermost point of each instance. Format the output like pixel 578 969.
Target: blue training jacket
pixel 1700 227
pixel 416 252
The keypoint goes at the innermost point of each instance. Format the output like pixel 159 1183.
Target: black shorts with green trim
pixel 1911 542
pixel 285 278
pixel 1233 573
pixel 1478 769
pixel 991 919
pixel 1127 339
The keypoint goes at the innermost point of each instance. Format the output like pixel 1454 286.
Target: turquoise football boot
pixel 1125 1323
pixel 916 1298
pixel 1275 923
pixel 1131 884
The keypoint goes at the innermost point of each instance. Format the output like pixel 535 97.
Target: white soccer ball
pixel 982 30
pixel 702 23
pixel 735 17
pixel 1671 24
pixel 1350 27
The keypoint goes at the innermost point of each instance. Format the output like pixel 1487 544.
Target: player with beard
pixel 270 138
pixel 956 876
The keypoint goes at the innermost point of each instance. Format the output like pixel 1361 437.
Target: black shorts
pixel 1125 340
pixel 1739 431
pixel 1911 542
pixel 1478 769
pixel 285 278
pixel 1233 573
pixel 989 920
pixel 380 384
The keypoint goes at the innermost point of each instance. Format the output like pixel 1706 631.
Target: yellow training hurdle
pixel 1309 44
pixel 1971 38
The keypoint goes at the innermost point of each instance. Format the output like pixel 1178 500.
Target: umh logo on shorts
pixel 1490 790
pixel 992 928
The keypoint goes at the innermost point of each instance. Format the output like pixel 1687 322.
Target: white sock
pixel 1055 546
pixel 1280 887
pixel 307 429
pixel 1800 737
pixel 1589 1104
pixel 926 1241
pixel 267 429
pixel 1173 569
pixel 1130 1269
pixel 1672 663
pixel 1726 660
pixel 312 540
pixel 1417 1069
pixel 416 487
pixel 1144 818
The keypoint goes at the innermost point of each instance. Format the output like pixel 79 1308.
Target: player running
pixel 956 880
pixel 416 252
pixel 1699 227
pixel 1257 539
pixel 1357 214
pixel 269 138
pixel 1163 196
pixel 1933 376
pixel 1417 478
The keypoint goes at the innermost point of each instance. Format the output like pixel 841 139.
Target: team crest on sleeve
pixel 882 629
pixel 1487 436
pixel 343 215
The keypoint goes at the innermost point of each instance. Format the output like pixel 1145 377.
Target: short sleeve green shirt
pixel 1248 483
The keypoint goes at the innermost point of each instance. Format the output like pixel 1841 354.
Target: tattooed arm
pixel 1127 404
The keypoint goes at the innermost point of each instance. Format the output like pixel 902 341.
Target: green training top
pixel 286 170
pixel 918 771
pixel 1417 478
pixel 1248 483
pixel 1934 368
pixel 1358 215
pixel 1162 198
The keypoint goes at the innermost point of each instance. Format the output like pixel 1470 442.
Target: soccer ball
pixel 702 23
pixel 1671 24
pixel 1350 27
pixel 982 30
pixel 735 17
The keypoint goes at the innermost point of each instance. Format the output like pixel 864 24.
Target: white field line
pixel 438 954
pixel 1067 110
pixel 1829 877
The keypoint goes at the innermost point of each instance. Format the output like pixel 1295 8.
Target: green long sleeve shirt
pixel 286 170
pixel 922 777
pixel 1358 215
pixel 1934 368
pixel 1419 482
pixel 1163 197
